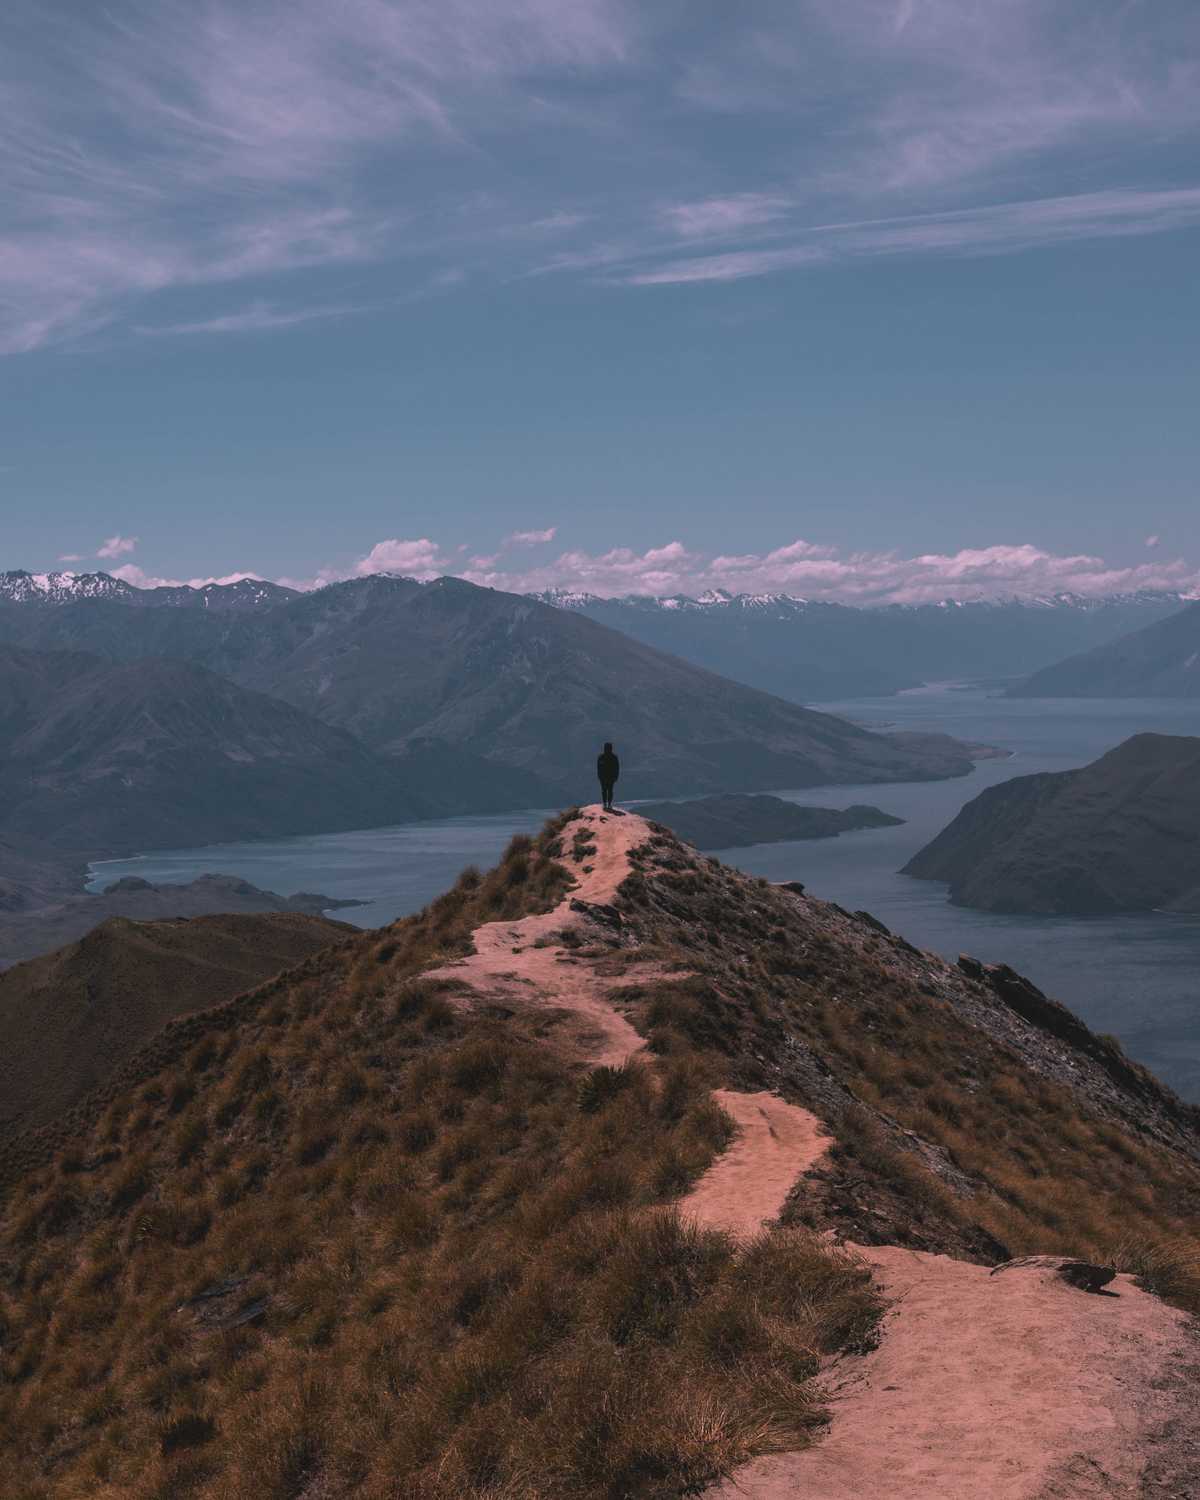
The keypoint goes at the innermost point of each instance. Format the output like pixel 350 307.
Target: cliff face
pixel 565 1187
pixel 1122 834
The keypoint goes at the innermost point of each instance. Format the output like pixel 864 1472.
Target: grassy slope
pixel 342 1237
pixel 70 1018
pixel 989 1142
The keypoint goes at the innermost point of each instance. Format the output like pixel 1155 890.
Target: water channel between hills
pixel 1136 976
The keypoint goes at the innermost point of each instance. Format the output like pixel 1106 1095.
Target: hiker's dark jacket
pixel 608 768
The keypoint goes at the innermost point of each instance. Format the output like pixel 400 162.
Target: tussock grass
pixel 346 1238
pixel 1032 1165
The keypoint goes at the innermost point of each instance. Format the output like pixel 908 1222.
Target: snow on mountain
pixel 20 587
pixel 784 605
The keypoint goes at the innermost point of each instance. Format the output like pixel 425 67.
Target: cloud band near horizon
pixel 801 569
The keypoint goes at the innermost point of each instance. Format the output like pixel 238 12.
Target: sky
pixel 857 299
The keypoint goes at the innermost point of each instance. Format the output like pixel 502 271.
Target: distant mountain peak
pixel 21 587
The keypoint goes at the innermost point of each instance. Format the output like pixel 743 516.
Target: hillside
pixel 1161 660
pixel 733 821
pixel 813 651
pixel 124 757
pixel 68 1020
pixel 406 666
pixel 1122 834
pixel 470 1208
pixel 495 700
pixel 32 927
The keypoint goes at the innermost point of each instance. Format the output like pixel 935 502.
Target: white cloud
pixel 808 570
pixel 117 546
pixel 71 557
pixel 130 573
pixel 140 579
pixel 800 568
pixel 1152 540
pixel 531 538
pixel 414 559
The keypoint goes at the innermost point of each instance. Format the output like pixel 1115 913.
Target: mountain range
pixel 800 649
pixel 228 713
pixel 1121 834
pixel 822 652
pixel 1161 660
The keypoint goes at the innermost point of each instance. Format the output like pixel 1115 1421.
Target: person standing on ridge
pixel 608 768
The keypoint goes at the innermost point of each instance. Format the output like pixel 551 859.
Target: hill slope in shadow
pixel 69 1019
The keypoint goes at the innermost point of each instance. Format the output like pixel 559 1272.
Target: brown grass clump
pixel 343 1237
pixel 960 1141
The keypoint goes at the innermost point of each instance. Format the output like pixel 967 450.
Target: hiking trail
pixel 986 1385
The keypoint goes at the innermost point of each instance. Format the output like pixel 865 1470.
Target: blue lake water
pixel 1135 976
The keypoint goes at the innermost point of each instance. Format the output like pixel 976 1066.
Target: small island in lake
pixel 733 820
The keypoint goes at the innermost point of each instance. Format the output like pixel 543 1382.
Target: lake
pixel 1136 976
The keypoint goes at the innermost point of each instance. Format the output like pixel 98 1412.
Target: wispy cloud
pixel 531 538
pixel 723 216
pixel 1001 228
pixel 157 145
pixel 117 546
pixel 259 317
pixel 159 151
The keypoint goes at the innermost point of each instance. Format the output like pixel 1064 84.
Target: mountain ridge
pixel 399 1175
pixel 1162 660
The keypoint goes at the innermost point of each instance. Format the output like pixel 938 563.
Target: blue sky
pixel 854 298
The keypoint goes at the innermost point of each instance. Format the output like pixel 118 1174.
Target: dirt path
pixel 748 1184
pixel 507 964
pixel 1005 1386
pixel 1011 1386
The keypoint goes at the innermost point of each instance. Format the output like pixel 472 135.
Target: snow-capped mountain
pixel 785 605
pixel 20 587
pixel 817 651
